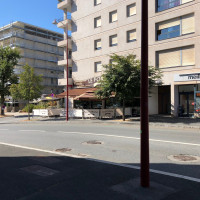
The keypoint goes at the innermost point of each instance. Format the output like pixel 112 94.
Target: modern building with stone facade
pixel 38 48
pixel 100 28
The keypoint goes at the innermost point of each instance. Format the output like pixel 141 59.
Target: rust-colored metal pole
pixel 67 71
pixel 144 115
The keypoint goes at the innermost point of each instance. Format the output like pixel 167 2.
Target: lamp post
pixel 67 71
pixel 144 116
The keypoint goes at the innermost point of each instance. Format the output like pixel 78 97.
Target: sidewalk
pixel 154 120
pixel 34 175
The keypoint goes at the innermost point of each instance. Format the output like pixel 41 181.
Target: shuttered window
pixel 97 22
pixel 98 66
pixel 188 24
pixel 97 2
pixel 113 16
pixel 169 58
pixel 188 56
pixel 131 35
pixel 176 57
pixel 131 10
pixel 113 40
pixel 169 23
pixel 97 44
pixel 185 1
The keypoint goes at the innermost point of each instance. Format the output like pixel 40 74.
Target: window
pixel 97 2
pixel 113 40
pixel 167 4
pixel 51 81
pixel 97 67
pixel 97 44
pixel 131 35
pixel 97 22
pixel 183 56
pixel 113 16
pixel 131 10
pixel 175 27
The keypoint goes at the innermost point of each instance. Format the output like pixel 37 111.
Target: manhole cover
pixel 63 150
pixel 184 158
pixel 93 142
pixel 39 170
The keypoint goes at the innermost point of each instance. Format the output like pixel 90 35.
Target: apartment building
pixel 38 48
pixel 100 28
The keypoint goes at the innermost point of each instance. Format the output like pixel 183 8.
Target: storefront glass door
pixel 186 100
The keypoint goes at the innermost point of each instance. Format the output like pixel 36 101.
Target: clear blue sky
pixel 36 12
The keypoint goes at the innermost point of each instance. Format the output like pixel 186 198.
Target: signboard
pixel 187 77
pixel 91 113
pixel 93 80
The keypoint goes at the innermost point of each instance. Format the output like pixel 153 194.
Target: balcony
pixel 64 62
pixel 63 4
pixel 63 43
pixel 63 81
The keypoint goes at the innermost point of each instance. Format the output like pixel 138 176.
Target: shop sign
pixel 187 77
pixel 93 80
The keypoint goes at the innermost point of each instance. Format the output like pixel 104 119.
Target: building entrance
pixel 186 104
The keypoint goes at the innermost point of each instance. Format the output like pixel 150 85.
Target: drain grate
pixel 40 170
pixel 63 150
pixel 93 142
pixel 184 158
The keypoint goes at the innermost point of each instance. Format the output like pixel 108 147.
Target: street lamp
pixel 55 22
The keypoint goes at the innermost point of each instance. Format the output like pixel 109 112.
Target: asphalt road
pixel 119 143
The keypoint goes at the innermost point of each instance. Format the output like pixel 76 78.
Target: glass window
pixel 131 35
pixel 131 10
pixel 175 27
pixel 97 66
pixel 97 22
pixel 97 2
pixel 97 44
pixel 167 4
pixel 113 16
pixel 113 40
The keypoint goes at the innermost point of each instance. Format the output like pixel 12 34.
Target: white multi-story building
pixel 38 48
pixel 100 28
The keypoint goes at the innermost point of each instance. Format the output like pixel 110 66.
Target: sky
pixel 36 12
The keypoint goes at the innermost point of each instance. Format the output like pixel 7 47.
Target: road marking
pixel 127 137
pixel 107 162
pixel 33 130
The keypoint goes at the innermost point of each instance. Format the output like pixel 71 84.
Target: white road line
pixel 127 137
pixel 33 130
pixel 107 162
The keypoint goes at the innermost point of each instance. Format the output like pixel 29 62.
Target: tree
pixel 8 59
pixel 122 78
pixel 29 87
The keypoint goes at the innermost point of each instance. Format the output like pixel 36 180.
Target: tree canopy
pixel 8 60
pixel 29 87
pixel 122 77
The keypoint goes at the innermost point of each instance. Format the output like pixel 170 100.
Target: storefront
pixel 188 91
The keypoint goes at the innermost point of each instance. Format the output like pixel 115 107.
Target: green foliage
pixel 122 78
pixel 8 59
pixel 30 107
pixel 29 87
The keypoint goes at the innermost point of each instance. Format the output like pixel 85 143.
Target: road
pixel 118 143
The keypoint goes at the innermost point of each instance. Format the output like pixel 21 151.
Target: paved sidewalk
pixel 34 175
pixel 154 120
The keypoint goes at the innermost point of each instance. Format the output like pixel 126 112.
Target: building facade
pixel 100 28
pixel 38 48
